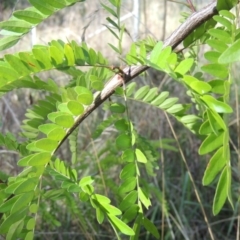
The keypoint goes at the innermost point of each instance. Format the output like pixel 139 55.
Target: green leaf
pixel 56 134
pixel 215 165
pixel 216 122
pixel 164 62
pixel 226 13
pixel 137 226
pixel 42 55
pixel 128 155
pixel 123 141
pixel 131 213
pixel 226 4
pixel 101 199
pixel 113 23
pixel 39 159
pixel 68 51
pixel 46 144
pixel 201 87
pixel 14 230
pixel 212 56
pixel 86 181
pixel 114 48
pixel 8 41
pixel 122 125
pixel 128 185
pixel 217 70
pixel 130 89
pixel 16 26
pixel 128 200
pixel 189 119
pixel 158 100
pixel 140 156
pixel 22 201
pixel 184 66
pixel 141 92
pixel 75 107
pixel 24 161
pixel 97 84
pixel 232 54
pixel 223 21
pixel 217 86
pixel 7 205
pixel 154 57
pixel 56 54
pixel 58 3
pixel 42 6
pixel 17 64
pixel 64 120
pixel 30 15
pixel 211 142
pixel 100 215
pixel 29 236
pixel 151 95
pixel 85 96
pixel 221 192
pixel 110 10
pixel 143 198
pixel 123 228
pixel 34 208
pixel 218 106
pixel 12 186
pixel 117 108
pixel 11 219
pixel 151 228
pixel 176 108
pixel 128 171
pixel 218 45
pixel 221 34
pixel 168 103
pixel 111 209
pixel 31 224
pixel 26 186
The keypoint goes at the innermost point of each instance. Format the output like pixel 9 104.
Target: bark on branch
pixel 193 21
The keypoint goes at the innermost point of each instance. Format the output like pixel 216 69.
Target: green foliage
pixel 55 118
pixel 23 21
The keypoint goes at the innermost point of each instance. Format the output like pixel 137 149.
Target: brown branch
pixel 193 21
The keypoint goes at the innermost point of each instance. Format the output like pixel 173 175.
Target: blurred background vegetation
pixel 175 210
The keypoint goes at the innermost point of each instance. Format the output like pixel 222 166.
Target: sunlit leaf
pixel 46 144
pixel 211 143
pixel 140 156
pixel 218 106
pixel 184 66
pixel 125 229
pixel 232 54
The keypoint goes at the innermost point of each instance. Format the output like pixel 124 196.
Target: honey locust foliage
pixel 55 118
